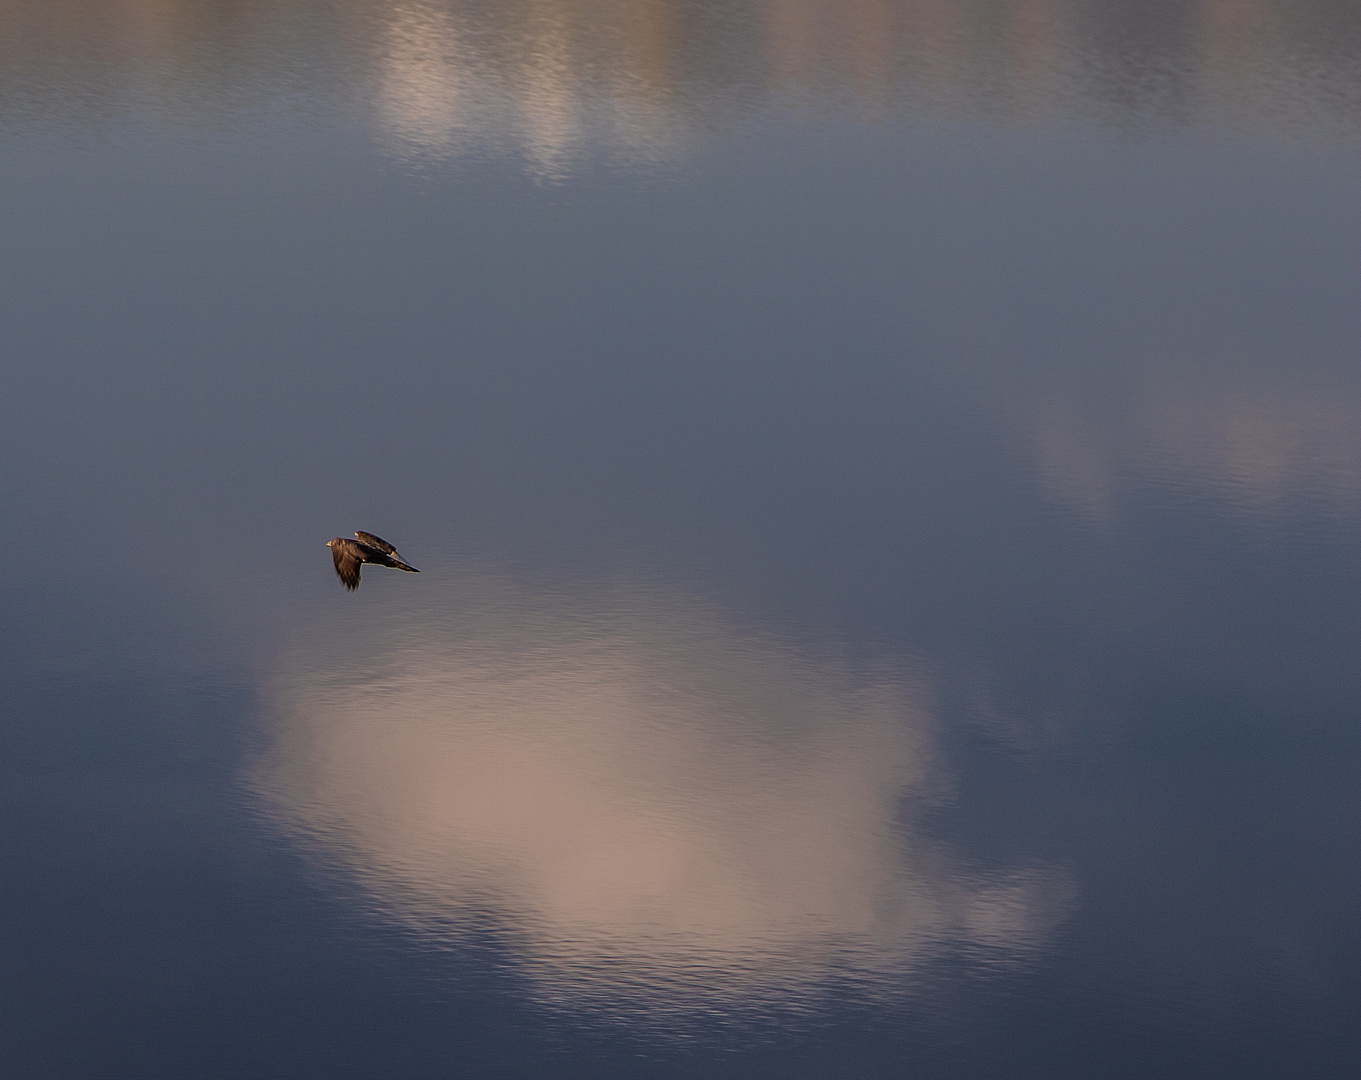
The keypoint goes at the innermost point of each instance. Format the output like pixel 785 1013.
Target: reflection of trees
pixel 1140 57
pixel 558 64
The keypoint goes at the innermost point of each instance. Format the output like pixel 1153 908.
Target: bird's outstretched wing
pixel 347 555
pixel 379 544
pixel 376 542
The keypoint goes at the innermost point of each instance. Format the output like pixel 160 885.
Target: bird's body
pixel 349 555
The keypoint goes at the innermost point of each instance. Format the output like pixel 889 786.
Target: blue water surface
pixel 886 480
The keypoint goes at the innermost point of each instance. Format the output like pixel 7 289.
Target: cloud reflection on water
pixel 1259 448
pixel 660 812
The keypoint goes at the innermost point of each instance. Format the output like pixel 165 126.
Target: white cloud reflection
pixel 660 812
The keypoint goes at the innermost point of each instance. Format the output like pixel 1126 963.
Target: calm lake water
pixel 886 480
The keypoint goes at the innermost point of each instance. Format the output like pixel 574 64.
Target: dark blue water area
pixel 151 928
pixel 913 389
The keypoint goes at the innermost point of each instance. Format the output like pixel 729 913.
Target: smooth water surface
pixel 886 480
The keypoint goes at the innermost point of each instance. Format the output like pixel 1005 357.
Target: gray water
pixel 886 481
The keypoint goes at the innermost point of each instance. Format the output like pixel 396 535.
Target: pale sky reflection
pixel 662 812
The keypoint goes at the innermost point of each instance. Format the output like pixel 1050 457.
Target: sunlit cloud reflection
pixel 659 811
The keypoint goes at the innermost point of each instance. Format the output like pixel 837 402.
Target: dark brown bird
pixel 349 555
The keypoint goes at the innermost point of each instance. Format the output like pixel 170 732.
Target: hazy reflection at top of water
pixel 657 810
pixel 637 79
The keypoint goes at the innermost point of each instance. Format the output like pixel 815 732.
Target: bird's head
pixel 329 543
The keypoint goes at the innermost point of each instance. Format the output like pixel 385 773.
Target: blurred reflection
pixel 637 78
pixel 658 811
pixel 1260 448
pixel 423 93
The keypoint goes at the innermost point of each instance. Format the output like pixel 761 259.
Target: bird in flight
pixel 349 555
